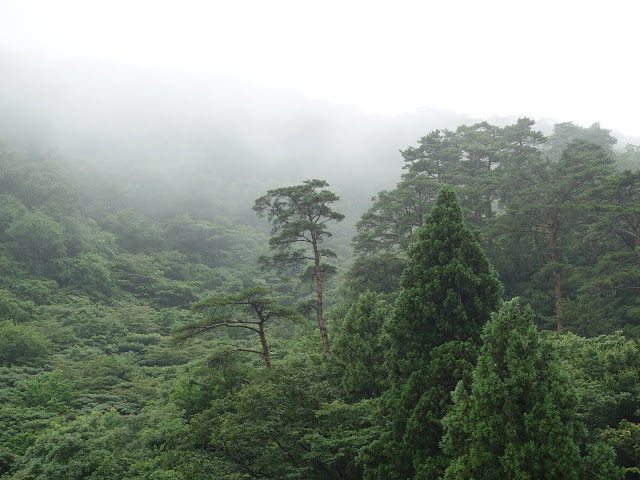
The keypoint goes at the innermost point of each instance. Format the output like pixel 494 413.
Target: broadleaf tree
pixel 299 215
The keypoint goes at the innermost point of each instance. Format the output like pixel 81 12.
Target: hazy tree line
pixel 184 345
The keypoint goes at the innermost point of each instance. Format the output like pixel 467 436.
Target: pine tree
pixel 299 215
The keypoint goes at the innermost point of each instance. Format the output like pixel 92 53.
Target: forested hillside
pixel 478 320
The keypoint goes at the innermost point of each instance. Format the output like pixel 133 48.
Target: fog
pixel 173 104
pixel 125 122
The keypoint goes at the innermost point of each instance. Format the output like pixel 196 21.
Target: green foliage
pixel 342 430
pixel 606 373
pixel 629 159
pixel 134 232
pixel 519 421
pixel 102 446
pixel 12 308
pixel 449 290
pixel 410 416
pixel 390 224
pixel 299 216
pixel 357 347
pixel 380 273
pixel 547 205
pixel 566 132
pixel 36 237
pixel 263 428
pixel 296 212
pixel 22 345
pixel 625 439
pixel 231 311
pixel 51 391
pixel 11 208
pixel 90 293
pixel 87 274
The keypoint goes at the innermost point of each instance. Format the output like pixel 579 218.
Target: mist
pixel 201 132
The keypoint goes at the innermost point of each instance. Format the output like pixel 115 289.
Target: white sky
pixel 566 60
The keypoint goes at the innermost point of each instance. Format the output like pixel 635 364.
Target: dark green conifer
pixel 449 290
pixel 357 347
pixel 519 421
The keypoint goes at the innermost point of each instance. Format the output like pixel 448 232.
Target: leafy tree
pixel 380 273
pixel 266 427
pixel 86 274
pixel 21 345
pixel 135 233
pixel 472 159
pixel 449 290
pixel 625 439
pixel 519 420
pixel 299 216
pixel 102 446
pixel 606 373
pixel 12 308
pixel 612 275
pixel 630 158
pixel 341 430
pixel 51 391
pixel 221 312
pixel 36 238
pixel 11 208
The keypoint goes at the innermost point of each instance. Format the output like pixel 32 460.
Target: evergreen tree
pixel 449 291
pixel 357 347
pixel 549 203
pixel 230 311
pixel 299 216
pixel 519 421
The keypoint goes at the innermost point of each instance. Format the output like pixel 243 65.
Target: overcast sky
pixel 564 60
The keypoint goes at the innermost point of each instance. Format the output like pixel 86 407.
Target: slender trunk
pixel 263 342
pixel 593 257
pixel 636 237
pixel 321 324
pixel 552 230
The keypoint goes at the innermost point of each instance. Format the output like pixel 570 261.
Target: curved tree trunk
pixel 263 342
pixel 321 325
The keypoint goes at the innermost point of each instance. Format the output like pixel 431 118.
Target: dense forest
pixel 479 319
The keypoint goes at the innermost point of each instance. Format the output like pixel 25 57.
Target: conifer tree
pixel 357 347
pixel 299 215
pixel 519 421
pixel 449 290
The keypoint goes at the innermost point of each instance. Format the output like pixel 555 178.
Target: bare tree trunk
pixel 263 342
pixel 552 231
pixel 321 325
pixel 593 256
pixel 636 237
